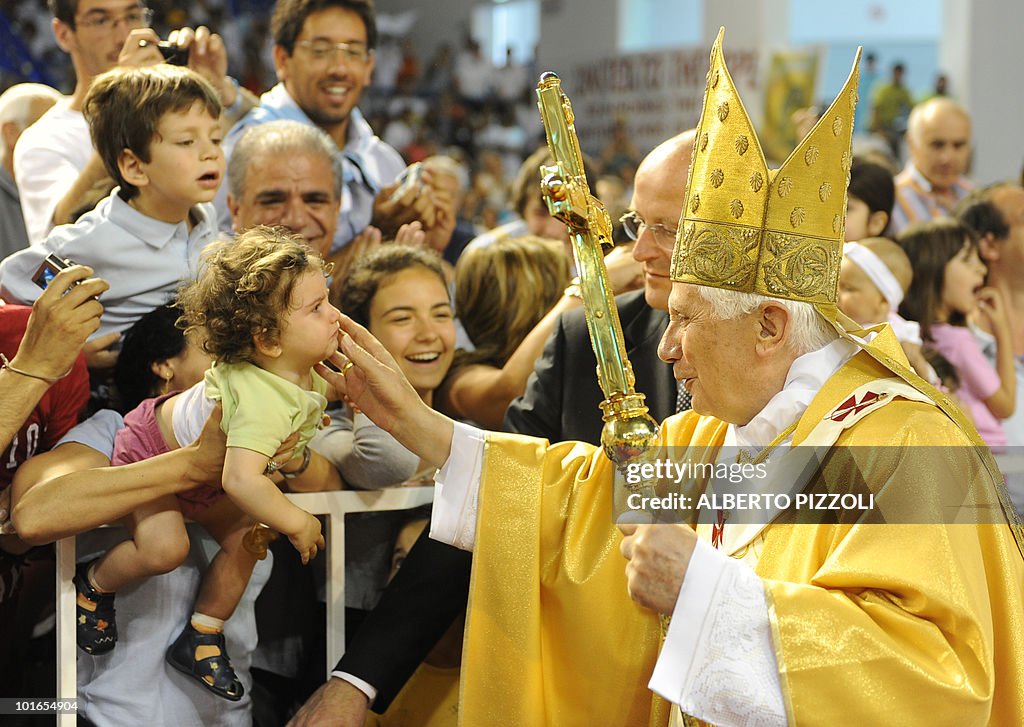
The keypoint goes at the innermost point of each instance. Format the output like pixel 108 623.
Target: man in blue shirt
pixel 324 56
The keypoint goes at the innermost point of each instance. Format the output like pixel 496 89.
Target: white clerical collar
pixel 806 376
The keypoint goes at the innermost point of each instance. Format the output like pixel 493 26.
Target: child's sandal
pixel 181 655
pixel 96 630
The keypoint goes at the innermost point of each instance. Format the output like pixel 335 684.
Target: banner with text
pixel 658 94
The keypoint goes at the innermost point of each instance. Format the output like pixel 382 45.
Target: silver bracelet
pixel 5 364
pixel 307 455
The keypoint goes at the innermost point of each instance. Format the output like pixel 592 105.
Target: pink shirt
pixel 978 380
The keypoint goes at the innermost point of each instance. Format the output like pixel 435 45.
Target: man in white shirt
pixel 20 106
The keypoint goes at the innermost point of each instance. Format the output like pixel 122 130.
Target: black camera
pixel 173 54
pixel 49 269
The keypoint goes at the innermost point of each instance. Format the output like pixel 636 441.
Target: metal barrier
pixel 334 505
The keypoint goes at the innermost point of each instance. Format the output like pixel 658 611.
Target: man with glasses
pixel 560 403
pixel 59 174
pixel 324 55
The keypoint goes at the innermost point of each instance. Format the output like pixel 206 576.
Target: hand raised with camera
pixel 140 49
pixel 208 57
pixel 204 50
pixel 400 203
pixel 62 318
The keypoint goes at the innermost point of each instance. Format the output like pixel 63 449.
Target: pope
pixel 917 620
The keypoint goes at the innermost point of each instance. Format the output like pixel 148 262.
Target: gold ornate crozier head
pixel 774 232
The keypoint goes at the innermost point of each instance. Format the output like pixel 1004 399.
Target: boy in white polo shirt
pixel 157 130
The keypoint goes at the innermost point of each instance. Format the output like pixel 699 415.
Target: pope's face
pixel 713 357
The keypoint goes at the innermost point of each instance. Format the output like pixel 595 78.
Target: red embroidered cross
pixel 718 530
pixel 852 406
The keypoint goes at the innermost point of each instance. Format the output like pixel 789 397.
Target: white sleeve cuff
pixel 453 518
pixel 366 688
pixel 720 637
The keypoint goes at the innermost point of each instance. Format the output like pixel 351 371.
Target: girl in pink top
pixel 947 289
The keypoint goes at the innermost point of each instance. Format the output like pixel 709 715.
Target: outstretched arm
pixel 254 492
pixel 72 488
pixel 483 393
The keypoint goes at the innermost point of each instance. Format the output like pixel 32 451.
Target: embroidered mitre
pixel 775 232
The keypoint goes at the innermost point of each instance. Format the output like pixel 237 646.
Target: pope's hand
pixel 658 556
pixel 371 381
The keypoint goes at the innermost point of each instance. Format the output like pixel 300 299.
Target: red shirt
pixel 56 412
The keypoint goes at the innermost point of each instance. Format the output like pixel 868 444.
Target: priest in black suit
pixel 561 402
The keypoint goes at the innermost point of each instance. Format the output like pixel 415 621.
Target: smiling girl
pixel 399 293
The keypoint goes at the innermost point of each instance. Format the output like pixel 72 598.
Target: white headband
pixel 877 271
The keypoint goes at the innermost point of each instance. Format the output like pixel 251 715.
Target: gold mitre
pixel 775 232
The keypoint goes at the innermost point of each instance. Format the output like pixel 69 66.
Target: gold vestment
pixel 893 623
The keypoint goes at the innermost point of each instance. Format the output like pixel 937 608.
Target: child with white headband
pixel 874 275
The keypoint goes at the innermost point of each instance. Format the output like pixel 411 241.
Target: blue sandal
pixel 182 656
pixel 96 631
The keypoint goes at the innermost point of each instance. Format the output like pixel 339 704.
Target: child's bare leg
pixel 159 544
pixel 221 590
pixel 228 575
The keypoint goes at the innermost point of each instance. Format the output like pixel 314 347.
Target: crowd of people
pixel 220 283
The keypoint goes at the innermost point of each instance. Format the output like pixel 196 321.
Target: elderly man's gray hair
pixel 281 138
pixel 809 330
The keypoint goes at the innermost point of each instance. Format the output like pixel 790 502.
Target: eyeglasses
pixel 134 18
pixel 634 225
pixel 324 50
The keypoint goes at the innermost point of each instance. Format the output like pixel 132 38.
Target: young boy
pixel 873 278
pixel 157 130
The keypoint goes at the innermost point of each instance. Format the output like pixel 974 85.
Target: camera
pixel 173 54
pixel 49 269
pixel 409 179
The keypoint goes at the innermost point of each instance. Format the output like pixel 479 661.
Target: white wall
pixel 982 51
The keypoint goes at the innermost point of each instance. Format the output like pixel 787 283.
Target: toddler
pixel 874 275
pixel 260 306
